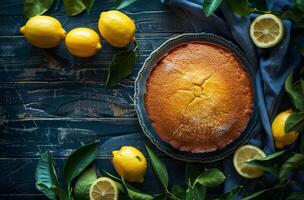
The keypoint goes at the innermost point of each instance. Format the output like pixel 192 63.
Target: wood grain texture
pixel 50 100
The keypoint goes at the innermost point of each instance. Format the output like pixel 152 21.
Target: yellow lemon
pixel 104 189
pixel 43 31
pixel 83 42
pixel 281 138
pixel 266 31
pixel 244 154
pixel 116 28
pixel 130 163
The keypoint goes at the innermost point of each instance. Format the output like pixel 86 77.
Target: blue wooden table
pixel 53 101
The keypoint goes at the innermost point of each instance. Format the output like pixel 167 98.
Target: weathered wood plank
pixel 64 99
pixel 58 64
pixel 17 175
pixel 29 138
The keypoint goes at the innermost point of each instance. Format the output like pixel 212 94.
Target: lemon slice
pixel 266 31
pixel 104 189
pixel 244 154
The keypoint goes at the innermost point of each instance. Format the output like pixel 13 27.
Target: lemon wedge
pixel 244 154
pixel 266 31
pixel 104 189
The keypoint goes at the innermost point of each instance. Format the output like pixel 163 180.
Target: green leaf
pixel 121 66
pixel 192 172
pixel 178 191
pixel 300 5
pixel 159 168
pixel 135 194
pixel 296 196
pixel 295 122
pixel 73 7
pixel 36 7
pixel 209 6
pixel 265 193
pixel 83 184
pixel 189 192
pixel 302 51
pixel 258 4
pixel 232 195
pixel 61 193
pixel 79 160
pixel 88 4
pixel 199 192
pixel 240 7
pixel 161 197
pixel 117 180
pixel 295 92
pixel 302 143
pixel 211 177
pixel 270 163
pixel 46 175
pixel 294 162
pixel 120 4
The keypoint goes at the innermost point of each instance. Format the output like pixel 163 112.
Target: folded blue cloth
pixel 271 65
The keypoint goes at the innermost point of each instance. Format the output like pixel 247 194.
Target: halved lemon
pixel 104 189
pixel 266 31
pixel 244 154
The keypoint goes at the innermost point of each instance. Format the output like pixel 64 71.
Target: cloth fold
pixel 271 66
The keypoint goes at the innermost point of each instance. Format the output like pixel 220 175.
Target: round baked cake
pixel 199 97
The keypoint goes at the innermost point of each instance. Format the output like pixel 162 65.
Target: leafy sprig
pixel 75 171
pixel 72 7
pixel 246 7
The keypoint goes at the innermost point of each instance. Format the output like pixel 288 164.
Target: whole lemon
pixel 43 31
pixel 116 28
pixel 83 42
pixel 130 163
pixel 281 138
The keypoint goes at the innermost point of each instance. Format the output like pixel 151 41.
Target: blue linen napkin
pixel 271 66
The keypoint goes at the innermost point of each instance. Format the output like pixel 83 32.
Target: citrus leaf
pixel 295 92
pixel 79 160
pixel 161 197
pixel 240 7
pixel 294 162
pixel 192 172
pixel 295 122
pixel 73 7
pixel 232 195
pixel 121 66
pixel 46 175
pixel 159 167
pixel 199 192
pixel 209 6
pixel 135 194
pixel 178 191
pixel 120 4
pixel 189 192
pixel 36 7
pixel 300 5
pixel 302 51
pixel 61 193
pixel 270 163
pixel 83 184
pixel 211 177
pixel 117 181
pixel 265 193
pixel 296 196
pixel 88 4
pixel 302 143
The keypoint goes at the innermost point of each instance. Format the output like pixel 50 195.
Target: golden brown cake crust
pixel 199 97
